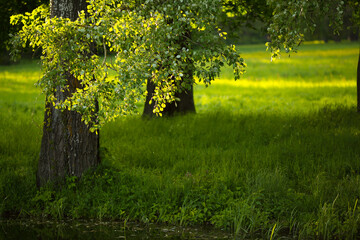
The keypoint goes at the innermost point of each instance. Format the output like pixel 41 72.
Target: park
pixel 272 155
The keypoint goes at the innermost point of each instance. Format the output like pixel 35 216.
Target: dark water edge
pixel 40 229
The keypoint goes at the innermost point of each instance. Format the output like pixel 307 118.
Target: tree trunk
pixel 68 148
pixel 358 84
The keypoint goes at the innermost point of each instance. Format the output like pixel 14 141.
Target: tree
pixel 185 99
pixel 147 38
pixel 355 6
pixel 246 12
pixel 68 147
pixel 193 29
pixel 184 102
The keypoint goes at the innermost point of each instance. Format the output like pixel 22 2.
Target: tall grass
pixel 274 154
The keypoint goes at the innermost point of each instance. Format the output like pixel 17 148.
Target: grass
pixel 275 154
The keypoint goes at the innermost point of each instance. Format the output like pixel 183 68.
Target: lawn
pixel 273 154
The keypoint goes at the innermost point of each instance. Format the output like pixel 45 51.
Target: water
pixel 34 229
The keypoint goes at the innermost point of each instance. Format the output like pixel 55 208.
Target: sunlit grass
pixel 20 78
pixel 315 76
pixel 280 83
pixel 315 63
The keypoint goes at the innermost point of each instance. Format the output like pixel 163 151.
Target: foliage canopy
pixel 145 38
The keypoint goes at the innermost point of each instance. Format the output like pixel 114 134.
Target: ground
pixel 273 154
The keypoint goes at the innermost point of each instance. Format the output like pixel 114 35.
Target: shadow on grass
pixel 243 172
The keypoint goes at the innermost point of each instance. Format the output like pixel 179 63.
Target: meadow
pixel 273 155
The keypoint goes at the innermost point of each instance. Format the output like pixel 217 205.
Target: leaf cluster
pixel 292 19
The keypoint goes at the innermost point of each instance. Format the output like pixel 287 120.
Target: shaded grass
pixel 273 148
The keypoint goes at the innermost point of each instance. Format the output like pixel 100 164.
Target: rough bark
pixel 185 105
pixel 358 84
pixel 68 148
pixel 67 8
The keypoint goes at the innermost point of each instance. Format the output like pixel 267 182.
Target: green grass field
pixel 275 154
